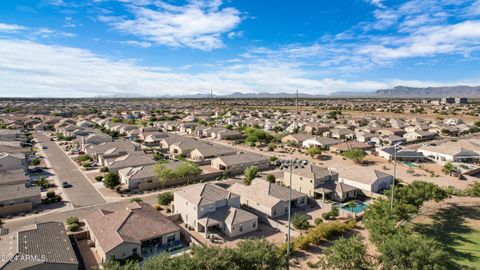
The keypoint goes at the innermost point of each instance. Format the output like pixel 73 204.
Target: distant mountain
pixel 240 95
pixel 430 92
pixel 347 94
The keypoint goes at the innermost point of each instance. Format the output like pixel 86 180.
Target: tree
pixel 186 169
pixel 254 135
pixel 271 178
pixel 163 173
pixel 51 194
pixel 300 221
pixel 247 255
pixel 356 155
pixel 258 254
pixel 43 182
pixel 165 198
pixel 473 189
pixel 250 173
pixel 36 162
pixel 405 251
pixel 449 168
pixel 346 253
pixel 111 180
pixel 314 151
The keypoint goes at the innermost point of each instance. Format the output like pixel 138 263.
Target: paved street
pixel 82 193
pixel 80 212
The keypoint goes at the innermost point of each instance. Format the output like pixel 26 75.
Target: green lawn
pixel 458 228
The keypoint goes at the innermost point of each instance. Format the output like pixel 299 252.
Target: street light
pixel 395 146
pixel 292 162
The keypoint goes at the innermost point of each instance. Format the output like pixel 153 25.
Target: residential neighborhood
pixel 239 135
pixel 124 186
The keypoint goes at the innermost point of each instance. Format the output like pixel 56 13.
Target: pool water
pixel 359 207
pixel 410 164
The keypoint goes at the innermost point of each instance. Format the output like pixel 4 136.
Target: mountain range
pixel 396 92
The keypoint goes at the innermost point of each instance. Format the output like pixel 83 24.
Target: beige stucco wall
pixel 233 231
pixel 299 183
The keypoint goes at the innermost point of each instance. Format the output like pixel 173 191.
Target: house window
pixel 170 238
pixel 241 228
pixel 254 224
pixel 274 211
pixel 134 251
pixel 286 208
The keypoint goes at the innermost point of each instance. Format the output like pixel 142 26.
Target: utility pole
pixel 289 212
pixel 296 102
pixel 394 173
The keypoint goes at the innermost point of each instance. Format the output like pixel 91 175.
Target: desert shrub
pixel 300 221
pixel 73 227
pixel 72 220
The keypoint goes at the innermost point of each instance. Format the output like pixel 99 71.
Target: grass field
pixel 458 228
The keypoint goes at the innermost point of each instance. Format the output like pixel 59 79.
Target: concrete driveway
pixel 82 193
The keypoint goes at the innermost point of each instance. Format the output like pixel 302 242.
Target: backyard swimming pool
pixel 410 164
pixel 359 207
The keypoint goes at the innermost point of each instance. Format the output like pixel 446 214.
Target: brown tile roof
pixel 48 240
pixel 139 222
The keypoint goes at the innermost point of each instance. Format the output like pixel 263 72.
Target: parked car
pixel 66 185
pixel 44 146
pixel 36 170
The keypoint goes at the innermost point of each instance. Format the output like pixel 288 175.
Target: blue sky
pixel 66 48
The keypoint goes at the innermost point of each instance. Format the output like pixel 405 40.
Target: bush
pixel 111 180
pixel 50 194
pixel 36 162
pixel 157 207
pixel 72 220
pixel 300 221
pixel 250 173
pixel 104 169
pixel 318 221
pixel 73 227
pixel 136 200
pixel 301 243
pixel 165 198
pixel 271 178
pixel 99 178
pixel 43 182
pixel 83 158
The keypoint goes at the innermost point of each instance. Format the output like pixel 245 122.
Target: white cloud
pixel 47 70
pixel 198 24
pixel 461 38
pixel 10 28
pixel 47 33
pixel 141 44
pixel 377 3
